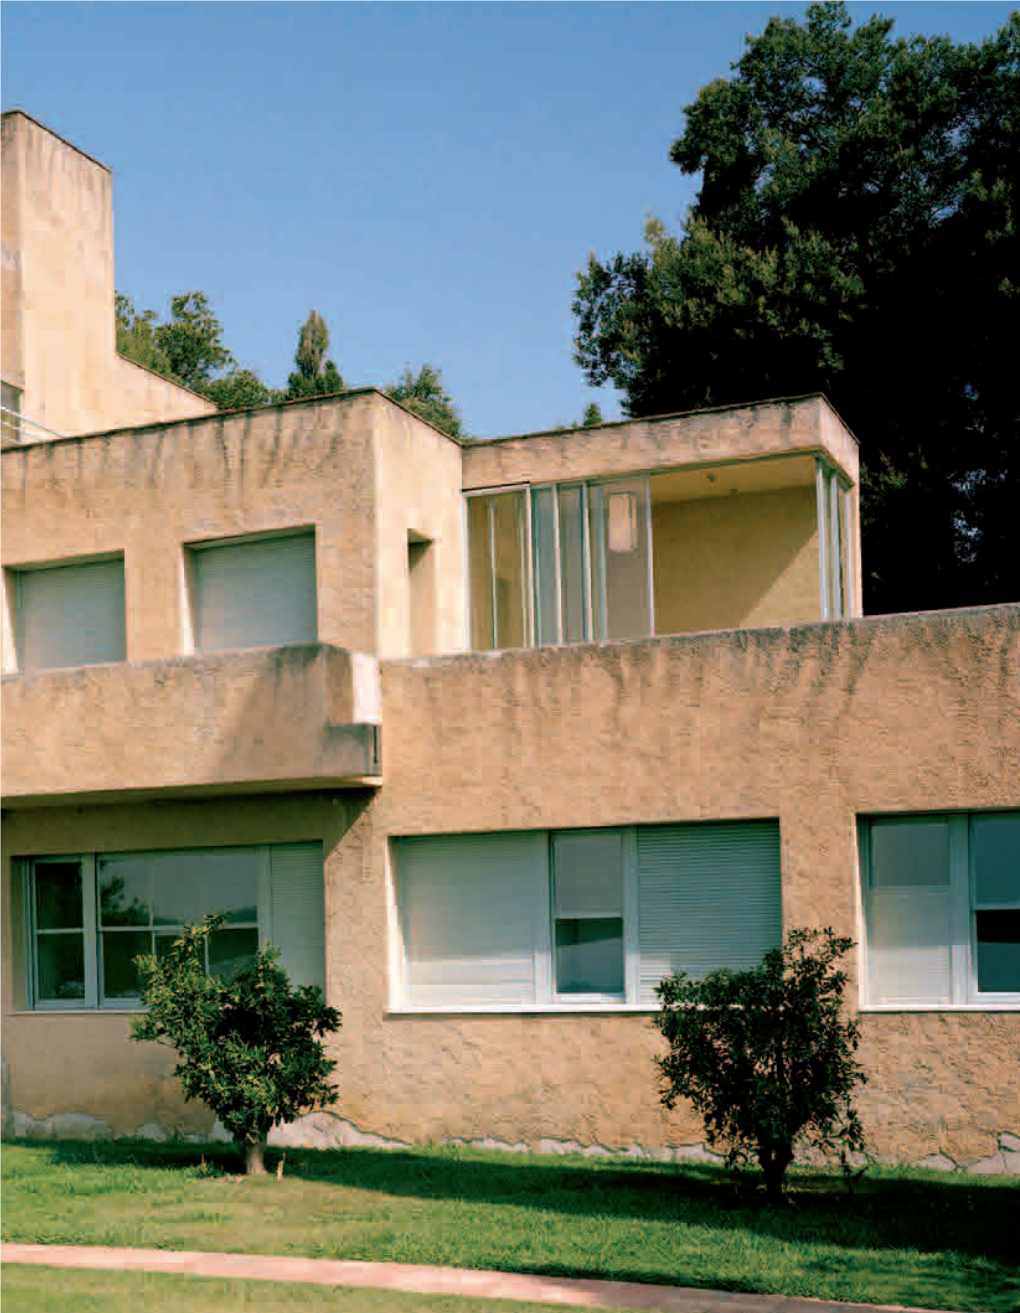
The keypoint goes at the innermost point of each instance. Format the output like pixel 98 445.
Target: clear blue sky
pixel 429 177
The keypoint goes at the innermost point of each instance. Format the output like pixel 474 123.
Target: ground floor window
pixel 581 917
pixel 942 909
pixel 90 915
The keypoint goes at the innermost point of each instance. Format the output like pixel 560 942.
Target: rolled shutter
pixel 71 615
pixel 297 911
pixel 708 896
pixel 255 594
pixel 469 917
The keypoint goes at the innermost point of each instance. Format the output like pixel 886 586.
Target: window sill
pixel 75 1012
pixel 527 1009
pixel 940 1007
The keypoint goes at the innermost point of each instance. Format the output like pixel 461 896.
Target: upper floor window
pixel 254 592
pixel 942 909
pixel 561 564
pixel 70 615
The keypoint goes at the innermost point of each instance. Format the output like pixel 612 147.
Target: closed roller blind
pixel 708 896
pixel 297 916
pixel 71 615
pixel 255 594
pixel 468 917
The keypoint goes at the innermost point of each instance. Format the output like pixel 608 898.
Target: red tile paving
pixel 426 1280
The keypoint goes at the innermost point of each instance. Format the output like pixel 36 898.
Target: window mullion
pixel 631 928
pixel 650 555
pixel 557 565
pixel 962 965
pixel 89 895
pixel 823 538
pixel 543 919
pixel 264 894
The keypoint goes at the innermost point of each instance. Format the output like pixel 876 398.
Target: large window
pixel 70 615
pixel 942 909
pixel 90 916
pixel 254 592
pixel 834 547
pixel 560 564
pixel 581 918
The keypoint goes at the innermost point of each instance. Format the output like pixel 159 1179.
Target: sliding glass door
pixel 566 563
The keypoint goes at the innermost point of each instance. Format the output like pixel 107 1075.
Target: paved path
pixel 426 1280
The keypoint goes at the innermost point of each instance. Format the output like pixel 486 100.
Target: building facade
pixel 488 737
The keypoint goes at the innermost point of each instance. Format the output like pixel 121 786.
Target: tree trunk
pixel 254 1162
pixel 773 1162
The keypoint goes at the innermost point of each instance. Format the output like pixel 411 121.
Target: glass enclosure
pixel 566 563
pixel 833 542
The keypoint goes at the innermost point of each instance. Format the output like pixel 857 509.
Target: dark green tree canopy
pixel 250 1047
pixel 766 1055
pixel 855 233
pixel 315 376
pixel 189 349
pixel 425 395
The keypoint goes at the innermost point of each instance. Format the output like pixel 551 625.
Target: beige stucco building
pixel 488 737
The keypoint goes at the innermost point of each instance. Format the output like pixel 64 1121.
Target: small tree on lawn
pixel 766 1056
pixel 250 1047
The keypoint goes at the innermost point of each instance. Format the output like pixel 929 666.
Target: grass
pixel 55 1290
pixel 917 1238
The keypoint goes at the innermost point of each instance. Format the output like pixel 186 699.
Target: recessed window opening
pixel 253 592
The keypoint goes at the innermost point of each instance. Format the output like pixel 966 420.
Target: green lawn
pixel 917 1238
pixel 55 1290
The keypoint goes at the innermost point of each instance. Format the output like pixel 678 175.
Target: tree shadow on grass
pixel 976 1220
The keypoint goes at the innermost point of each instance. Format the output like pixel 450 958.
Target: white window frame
pixel 588 551
pixel 547 998
pixel 92 931
pixel 964 993
pixel 835 553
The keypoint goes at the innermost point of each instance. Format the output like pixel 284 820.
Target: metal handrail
pixel 15 427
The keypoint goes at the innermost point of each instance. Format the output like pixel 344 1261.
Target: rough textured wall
pixel 58 316
pixel 147 492
pixel 723 562
pixel 80 1068
pixel 11 172
pixel 814 725
pixel 735 433
pixel 137 395
pixel 274 718
pixel 418 482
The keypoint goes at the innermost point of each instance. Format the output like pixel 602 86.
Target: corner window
pixel 253 592
pixel 70 615
pixel 581 918
pixel 942 909
pixel 90 916
pixel 566 563
pixel 834 519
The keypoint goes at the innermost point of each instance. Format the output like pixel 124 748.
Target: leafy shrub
pixel 766 1056
pixel 249 1048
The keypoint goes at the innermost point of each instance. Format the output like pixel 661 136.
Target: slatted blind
pixel 469 917
pixel 297 916
pixel 909 945
pixel 708 896
pixel 71 615
pixel 909 910
pixel 255 594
